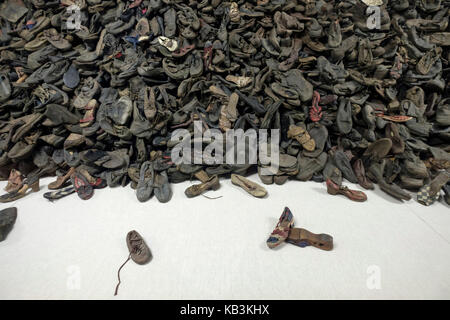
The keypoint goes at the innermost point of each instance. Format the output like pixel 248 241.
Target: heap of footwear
pixel 99 86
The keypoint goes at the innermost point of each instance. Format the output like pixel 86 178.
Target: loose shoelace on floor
pixel 137 250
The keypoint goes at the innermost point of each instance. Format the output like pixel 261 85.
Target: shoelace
pixel 137 249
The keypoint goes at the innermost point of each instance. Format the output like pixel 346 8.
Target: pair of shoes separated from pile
pixel 285 231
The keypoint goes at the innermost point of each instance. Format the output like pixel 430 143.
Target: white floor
pixel 215 249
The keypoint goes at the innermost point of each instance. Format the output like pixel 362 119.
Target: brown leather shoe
pixel 303 238
pixel 355 195
pixel 360 172
pixel 139 251
pixel 61 181
pixel 198 189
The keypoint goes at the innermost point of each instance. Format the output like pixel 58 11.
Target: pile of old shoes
pixel 285 232
pixel 351 100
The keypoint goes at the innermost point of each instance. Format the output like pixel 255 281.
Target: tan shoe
pixel 302 136
pixel 61 181
pixel 251 187
pixel 197 189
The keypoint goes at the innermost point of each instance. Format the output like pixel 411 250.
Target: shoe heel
pixel 35 186
pixel 331 190
pixel 215 187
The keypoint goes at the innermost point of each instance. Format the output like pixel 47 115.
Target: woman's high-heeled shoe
pixel 15 181
pixel 22 192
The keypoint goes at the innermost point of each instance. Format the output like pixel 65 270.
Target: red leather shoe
pixel 355 195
